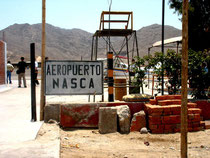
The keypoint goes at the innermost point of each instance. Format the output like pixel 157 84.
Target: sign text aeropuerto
pixel 73 77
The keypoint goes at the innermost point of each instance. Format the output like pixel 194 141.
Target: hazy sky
pixel 83 14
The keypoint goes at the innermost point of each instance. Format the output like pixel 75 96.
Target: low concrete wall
pixel 52 111
pixel 83 115
pixel 3 62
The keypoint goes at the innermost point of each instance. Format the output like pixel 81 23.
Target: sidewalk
pixel 17 132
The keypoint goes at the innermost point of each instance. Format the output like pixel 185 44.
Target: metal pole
pixel 109 25
pixel 42 97
pixel 163 14
pixel 110 77
pixel 184 79
pixel 96 55
pixel 148 69
pixel 33 86
pixel 137 49
pixel 92 48
pixel 127 51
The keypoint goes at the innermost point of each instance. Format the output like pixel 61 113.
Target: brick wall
pixel 164 115
pixel 2 62
pixel 167 119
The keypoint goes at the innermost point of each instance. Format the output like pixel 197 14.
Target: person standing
pixel 21 68
pixel 36 72
pixel 10 68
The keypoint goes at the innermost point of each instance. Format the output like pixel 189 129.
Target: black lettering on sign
pixel 64 84
pixel 68 69
pixel 98 70
pixel 56 83
pixel 53 70
pixel 86 68
pixel 91 85
pixel 81 83
pixel 63 69
pixel 48 70
pixel 58 69
pixel 80 69
pixel 92 69
pixel 74 83
pixel 74 70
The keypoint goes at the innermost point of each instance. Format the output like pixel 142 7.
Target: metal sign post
pixel 110 77
pixel 33 86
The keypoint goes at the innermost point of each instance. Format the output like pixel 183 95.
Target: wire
pixel 110 5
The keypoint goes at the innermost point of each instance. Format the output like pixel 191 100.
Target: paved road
pixel 17 132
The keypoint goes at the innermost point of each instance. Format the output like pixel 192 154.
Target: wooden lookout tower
pixel 116 24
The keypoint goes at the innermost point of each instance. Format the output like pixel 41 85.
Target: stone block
pixel 134 106
pixel 162 97
pixel 51 111
pixel 124 118
pixel 191 105
pixel 169 102
pixel 107 120
pixel 150 109
pixel 155 120
pixel 138 121
pixel 152 102
pixel 172 119
pixel 194 111
pixel 79 115
pixel 207 124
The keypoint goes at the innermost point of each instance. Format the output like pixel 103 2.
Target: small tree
pixel 139 71
pixel 171 66
pixel 199 22
pixel 199 73
pixel 173 71
pixel 155 64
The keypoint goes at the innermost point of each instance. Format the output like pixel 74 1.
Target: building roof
pixel 168 41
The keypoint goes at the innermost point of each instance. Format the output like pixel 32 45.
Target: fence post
pixel 33 88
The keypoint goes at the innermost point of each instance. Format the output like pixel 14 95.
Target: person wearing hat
pixel 10 68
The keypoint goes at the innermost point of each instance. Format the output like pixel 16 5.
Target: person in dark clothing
pixel 36 72
pixel 21 72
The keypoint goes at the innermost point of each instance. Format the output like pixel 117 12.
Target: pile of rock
pixel 113 119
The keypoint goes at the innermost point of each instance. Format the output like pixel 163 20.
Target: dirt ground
pixel 89 143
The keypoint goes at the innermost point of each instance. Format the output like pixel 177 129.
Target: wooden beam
pixel 131 20
pixel 116 12
pixel 184 78
pixel 42 97
pixel 128 21
pixel 115 21
pixel 100 21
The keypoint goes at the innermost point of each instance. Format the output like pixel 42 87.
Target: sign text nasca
pixel 73 77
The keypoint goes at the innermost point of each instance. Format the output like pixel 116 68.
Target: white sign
pixel 73 77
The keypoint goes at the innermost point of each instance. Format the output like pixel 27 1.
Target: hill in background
pixel 72 44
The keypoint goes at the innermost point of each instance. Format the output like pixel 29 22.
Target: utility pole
pixel 184 79
pixel 162 48
pixel 42 97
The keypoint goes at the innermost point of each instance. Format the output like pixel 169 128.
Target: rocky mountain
pixel 72 44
